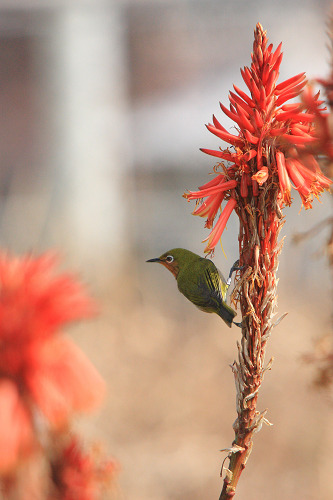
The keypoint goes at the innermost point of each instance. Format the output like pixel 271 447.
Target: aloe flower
pixel 271 144
pixel 42 372
pixel 272 153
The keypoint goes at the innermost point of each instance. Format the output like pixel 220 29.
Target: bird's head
pixel 175 259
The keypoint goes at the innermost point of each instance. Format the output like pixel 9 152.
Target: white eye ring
pixel 169 259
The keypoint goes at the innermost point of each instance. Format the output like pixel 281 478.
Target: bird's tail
pixel 227 314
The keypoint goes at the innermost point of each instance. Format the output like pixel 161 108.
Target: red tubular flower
pixel 39 368
pixel 215 235
pixel 273 138
pixel 214 190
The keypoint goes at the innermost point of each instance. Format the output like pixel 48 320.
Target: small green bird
pixel 200 281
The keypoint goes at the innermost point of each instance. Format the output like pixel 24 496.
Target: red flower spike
pixel 286 138
pixel 274 140
pixel 40 369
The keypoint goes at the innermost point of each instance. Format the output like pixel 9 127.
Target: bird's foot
pixel 240 325
pixel 235 267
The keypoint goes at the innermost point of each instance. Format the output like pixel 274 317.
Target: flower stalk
pixel 272 153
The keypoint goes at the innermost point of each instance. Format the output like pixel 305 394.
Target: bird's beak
pixel 154 260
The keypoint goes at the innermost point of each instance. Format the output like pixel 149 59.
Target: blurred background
pixel 103 106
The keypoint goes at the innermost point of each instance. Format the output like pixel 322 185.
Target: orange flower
pixel 273 138
pixel 39 368
pixel 261 176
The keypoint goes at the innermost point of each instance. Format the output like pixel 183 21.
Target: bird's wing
pixel 203 285
pixel 214 283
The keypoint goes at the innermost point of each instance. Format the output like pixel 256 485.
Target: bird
pixel 200 281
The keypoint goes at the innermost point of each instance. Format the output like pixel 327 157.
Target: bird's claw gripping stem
pixel 234 268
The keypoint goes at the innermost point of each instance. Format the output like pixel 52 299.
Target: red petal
pixel 243 121
pixel 278 131
pixel 258 119
pixel 291 82
pixel 216 180
pixel 224 186
pixel 212 152
pixel 291 115
pixel 276 55
pixel 244 96
pixel 216 233
pixel 249 155
pixel 285 97
pixel 64 381
pixel 210 207
pixel 218 124
pixel 241 103
pixel 250 138
pixel 273 76
pixel 225 136
pixel 298 139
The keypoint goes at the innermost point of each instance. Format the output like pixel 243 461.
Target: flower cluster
pixel 275 141
pixel 44 377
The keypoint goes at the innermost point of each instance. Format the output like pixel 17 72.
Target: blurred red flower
pixel 41 371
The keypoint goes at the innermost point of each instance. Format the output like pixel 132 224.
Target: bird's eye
pixel 169 259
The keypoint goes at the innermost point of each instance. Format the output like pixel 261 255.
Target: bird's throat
pixel 173 268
